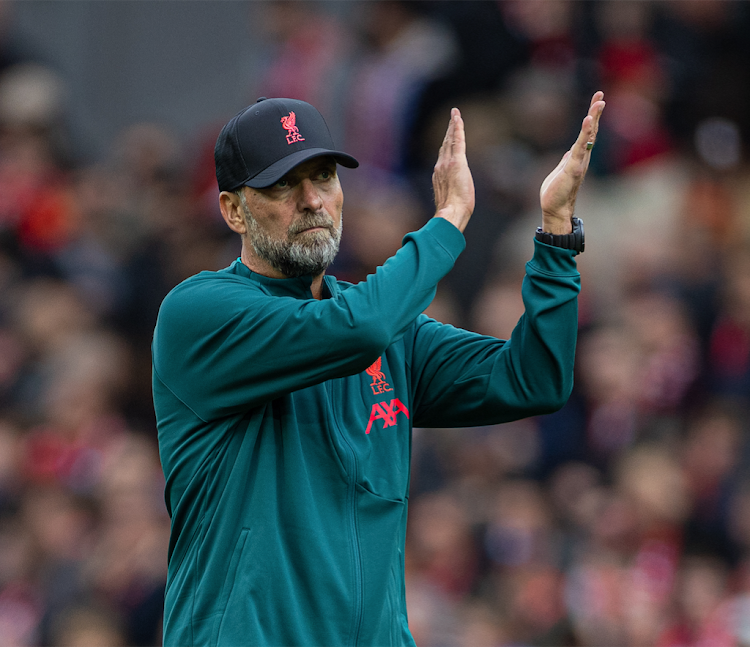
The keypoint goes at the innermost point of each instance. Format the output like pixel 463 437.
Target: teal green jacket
pixel 285 435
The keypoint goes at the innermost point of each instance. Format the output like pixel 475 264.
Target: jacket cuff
pixel 447 235
pixel 553 260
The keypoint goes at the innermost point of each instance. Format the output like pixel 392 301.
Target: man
pixel 285 398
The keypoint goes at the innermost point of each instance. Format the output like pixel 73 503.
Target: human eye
pixel 283 183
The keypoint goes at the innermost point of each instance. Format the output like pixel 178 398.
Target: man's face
pixel 295 225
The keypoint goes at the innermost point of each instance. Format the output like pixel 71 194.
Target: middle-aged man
pixel 285 399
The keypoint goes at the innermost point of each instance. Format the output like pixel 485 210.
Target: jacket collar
pixel 298 287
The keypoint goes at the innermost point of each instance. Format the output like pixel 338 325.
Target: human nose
pixel 309 198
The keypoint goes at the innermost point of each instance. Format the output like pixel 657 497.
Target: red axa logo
pixel 379 385
pixel 387 413
pixel 292 132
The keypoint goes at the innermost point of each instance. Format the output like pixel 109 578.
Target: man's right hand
pixel 451 180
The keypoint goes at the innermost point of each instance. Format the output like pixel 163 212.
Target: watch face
pixel 580 241
pixel 580 238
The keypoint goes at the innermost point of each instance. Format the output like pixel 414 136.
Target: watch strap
pixel 574 241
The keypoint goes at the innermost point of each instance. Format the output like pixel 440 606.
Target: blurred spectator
pixel 712 456
pixel 379 213
pixel 729 351
pixel 36 203
pixel 21 596
pixel 480 627
pixel 404 49
pixel 88 626
pixel 442 547
pixel 669 348
pixel 126 566
pixel 635 83
pixel 706 52
pixel 309 53
pixel 703 614
pixel 548 28
pixel 608 365
pixel 498 309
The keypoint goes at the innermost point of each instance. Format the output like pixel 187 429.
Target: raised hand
pixel 560 188
pixel 451 179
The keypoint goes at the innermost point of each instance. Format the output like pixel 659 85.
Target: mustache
pixel 308 222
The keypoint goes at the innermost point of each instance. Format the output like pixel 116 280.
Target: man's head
pixel 276 168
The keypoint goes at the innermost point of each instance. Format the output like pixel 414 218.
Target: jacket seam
pixel 169 388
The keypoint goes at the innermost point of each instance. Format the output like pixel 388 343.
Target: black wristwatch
pixel 574 241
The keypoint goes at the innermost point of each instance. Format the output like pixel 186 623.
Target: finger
pixel 598 96
pixel 579 149
pixel 459 133
pixel 595 112
pixel 446 146
pixel 589 129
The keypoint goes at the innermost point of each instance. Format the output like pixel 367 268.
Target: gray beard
pixel 308 254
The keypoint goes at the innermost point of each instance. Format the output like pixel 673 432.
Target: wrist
pixel 452 215
pixel 558 225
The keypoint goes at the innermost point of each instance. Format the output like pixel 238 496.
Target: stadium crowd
pixel 623 519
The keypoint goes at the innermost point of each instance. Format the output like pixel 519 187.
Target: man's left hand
pixel 559 189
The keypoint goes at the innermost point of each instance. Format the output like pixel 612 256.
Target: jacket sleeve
pixel 462 379
pixel 223 349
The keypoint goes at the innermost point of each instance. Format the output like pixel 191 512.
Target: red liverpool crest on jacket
pixel 379 385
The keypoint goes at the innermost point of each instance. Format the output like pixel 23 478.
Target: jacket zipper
pixel 359 579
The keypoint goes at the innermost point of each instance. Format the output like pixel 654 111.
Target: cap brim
pixel 279 169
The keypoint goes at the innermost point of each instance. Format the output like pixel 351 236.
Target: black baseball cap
pixel 266 140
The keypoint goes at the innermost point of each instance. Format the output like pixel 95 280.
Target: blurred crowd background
pixel 622 520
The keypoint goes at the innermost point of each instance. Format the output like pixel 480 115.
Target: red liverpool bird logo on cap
pixel 290 125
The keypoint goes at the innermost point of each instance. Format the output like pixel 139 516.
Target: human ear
pixel 231 211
